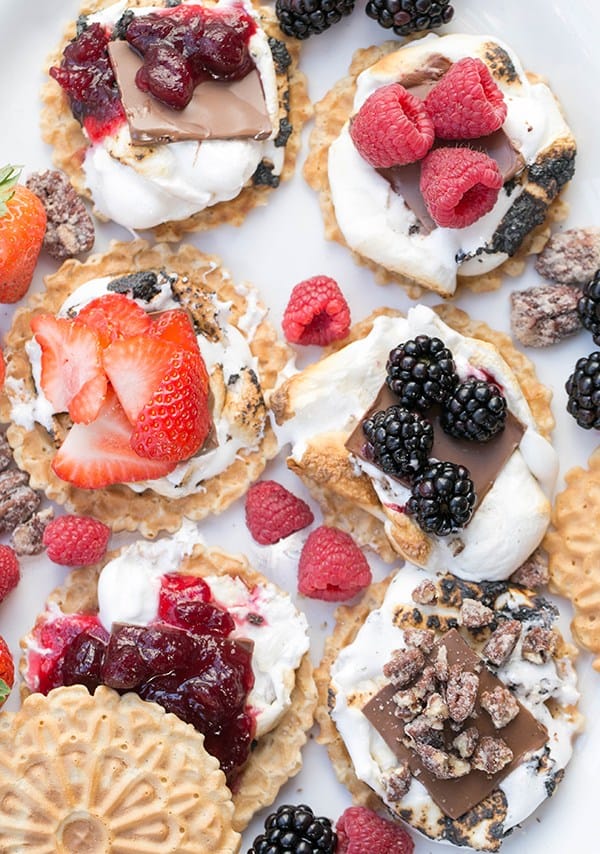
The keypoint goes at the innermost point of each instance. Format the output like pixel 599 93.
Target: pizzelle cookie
pixel 157 590
pixel 378 215
pixel 226 317
pixel 320 412
pixel 101 162
pixel 431 701
pixel 108 773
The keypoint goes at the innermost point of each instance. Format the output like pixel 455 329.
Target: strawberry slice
pixel 100 454
pixel 175 422
pixel 72 376
pixel 136 366
pixel 114 316
pixel 175 325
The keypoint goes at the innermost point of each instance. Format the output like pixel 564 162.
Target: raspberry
pixel 332 567
pixel 459 185
pixel 360 829
pixel 76 540
pixel 317 313
pixel 466 103
pixel 272 512
pixel 392 128
pixel 10 571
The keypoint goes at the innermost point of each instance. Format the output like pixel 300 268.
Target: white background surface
pixel 283 243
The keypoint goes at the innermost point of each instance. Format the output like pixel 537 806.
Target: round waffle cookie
pixel 108 773
pixel 200 281
pixel 276 755
pixel 522 230
pixel 357 702
pixel 65 135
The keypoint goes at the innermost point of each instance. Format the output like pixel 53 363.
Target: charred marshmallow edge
pixel 375 220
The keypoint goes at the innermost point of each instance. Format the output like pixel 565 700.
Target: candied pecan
pixel 6 454
pixel 570 257
pixel 69 229
pixel 17 499
pixel 500 705
pixel 474 614
pixel 420 730
pixel 461 693
pixel 441 764
pixel 27 537
pixel 440 664
pixel 408 704
pixel 422 639
pixel 404 666
pixel 491 755
pixel 425 684
pixel 544 314
pixel 466 742
pixel 533 572
pixel 539 644
pixel 425 593
pixel 436 710
pixel 397 782
pixel 502 642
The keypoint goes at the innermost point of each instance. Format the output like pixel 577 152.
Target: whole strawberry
pixel 7 671
pixel 22 229
pixel 10 571
pixel 76 540
pixel 273 512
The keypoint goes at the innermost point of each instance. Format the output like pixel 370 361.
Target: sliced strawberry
pixel 114 316
pixel 175 325
pixel 176 421
pixel 72 375
pixel 136 366
pixel 100 454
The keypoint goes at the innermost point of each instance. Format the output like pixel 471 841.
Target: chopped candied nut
pixel 69 229
pixel 6 455
pixel 441 764
pixel 539 644
pixel 542 315
pixel 422 639
pixel 436 711
pixel 27 538
pixel 425 684
pixel 570 257
pixel 491 755
pixel 502 642
pixel 461 693
pixel 397 782
pixel 534 572
pixel 404 666
pixel 425 593
pixel 408 704
pixel 474 615
pixel 500 705
pixel 18 501
pixel 420 730
pixel 441 664
pixel 466 742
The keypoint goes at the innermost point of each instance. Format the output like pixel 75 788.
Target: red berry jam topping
pixel 54 638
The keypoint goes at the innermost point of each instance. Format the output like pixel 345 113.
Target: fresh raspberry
pixel 317 313
pixel 10 571
pixel 76 540
pixel 392 128
pixel 7 671
pixel 360 829
pixel 459 185
pixel 332 567
pixel 272 512
pixel 466 103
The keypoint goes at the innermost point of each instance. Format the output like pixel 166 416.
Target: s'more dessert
pixel 438 161
pixel 200 633
pixel 175 116
pixel 426 436
pixel 452 703
pixel 135 386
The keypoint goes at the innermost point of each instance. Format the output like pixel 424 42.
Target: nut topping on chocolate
pixel 474 615
pixel 397 782
pixel 501 644
pixel 491 755
pixel 425 593
pixel 534 572
pixel 404 666
pixel 500 705
pixel 466 742
pixel 440 664
pixel 442 765
pixel 461 693
pixel 539 644
pixel 422 639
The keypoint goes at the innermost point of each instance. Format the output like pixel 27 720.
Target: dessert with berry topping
pixel 425 436
pixel 439 160
pixel 175 117
pixel 200 633
pixel 454 704
pixel 136 386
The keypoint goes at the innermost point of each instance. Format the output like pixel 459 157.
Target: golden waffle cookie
pixel 118 505
pixel 277 754
pixel 93 775
pixel 64 133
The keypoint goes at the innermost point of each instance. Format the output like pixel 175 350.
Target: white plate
pixel 283 243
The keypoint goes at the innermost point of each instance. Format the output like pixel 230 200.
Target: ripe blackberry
pixel 583 388
pixel 410 16
pixel 303 18
pixel 443 497
pixel 295 829
pixel 400 441
pixel 421 372
pixel 476 410
pixel 588 307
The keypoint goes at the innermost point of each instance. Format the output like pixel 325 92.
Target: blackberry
pixel 442 499
pixel 476 410
pixel 410 16
pixel 295 829
pixel 303 18
pixel 583 388
pixel 421 372
pixel 588 307
pixel 399 441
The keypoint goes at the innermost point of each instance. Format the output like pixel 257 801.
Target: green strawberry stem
pixel 4 691
pixel 9 176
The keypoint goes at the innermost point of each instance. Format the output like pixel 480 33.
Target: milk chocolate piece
pixel 484 460
pixel 524 734
pixel 219 109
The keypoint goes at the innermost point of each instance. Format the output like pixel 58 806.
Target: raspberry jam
pixel 184 660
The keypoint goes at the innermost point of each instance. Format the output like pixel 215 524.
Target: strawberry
pixel 7 671
pixel 10 571
pixel 175 325
pixel 114 316
pixel 175 422
pixel 72 377
pixel 136 366
pixel 22 230
pixel 99 454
